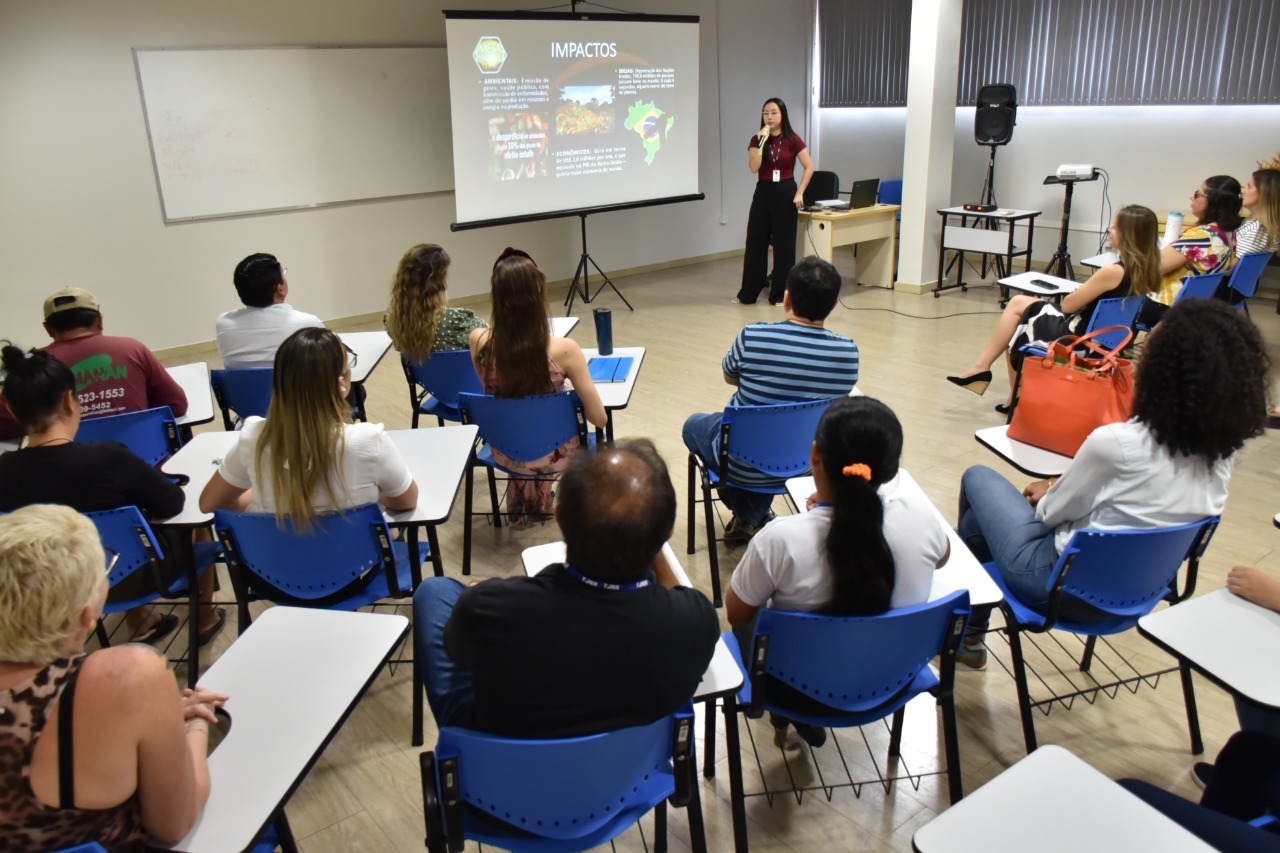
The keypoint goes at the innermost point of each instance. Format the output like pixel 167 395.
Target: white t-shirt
pixel 249 337
pixel 371 465
pixel 1122 478
pixel 786 565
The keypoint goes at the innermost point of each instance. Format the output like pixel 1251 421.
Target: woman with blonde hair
pixel 93 747
pixel 1028 320
pixel 1261 197
pixel 306 457
pixel 418 318
pixel 518 357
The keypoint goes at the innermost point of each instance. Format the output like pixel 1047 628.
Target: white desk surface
pixel 722 676
pixel 1052 802
pixel 1106 259
pixel 616 395
pixel 10 444
pixel 961 570
pixel 436 457
pixel 562 326
pixel 1034 282
pixel 1225 637
pixel 1000 213
pixel 194 379
pixel 199 458
pixel 292 678
pixel 369 348
pixel 1031 461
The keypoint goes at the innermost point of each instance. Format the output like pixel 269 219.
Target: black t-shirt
pixel 86 476
pixel 552 657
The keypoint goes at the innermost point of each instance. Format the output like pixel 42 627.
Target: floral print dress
pixel 1208 249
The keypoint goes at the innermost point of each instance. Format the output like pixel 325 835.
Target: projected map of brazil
pixel 646 120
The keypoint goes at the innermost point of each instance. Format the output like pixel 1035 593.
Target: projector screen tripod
pixel 581 283
pixel 1060 263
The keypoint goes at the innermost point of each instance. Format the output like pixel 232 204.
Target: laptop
pixel 864 193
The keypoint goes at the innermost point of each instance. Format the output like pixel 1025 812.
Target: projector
pixel 1076 172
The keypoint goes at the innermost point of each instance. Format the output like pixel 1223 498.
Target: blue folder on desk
pixel 610 369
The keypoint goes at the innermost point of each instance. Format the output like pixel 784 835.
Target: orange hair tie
pixel 858 470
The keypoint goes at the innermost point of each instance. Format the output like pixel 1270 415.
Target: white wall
pixel 1156 156
pixel 78 200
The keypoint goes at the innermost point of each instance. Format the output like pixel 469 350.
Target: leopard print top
pixel 27 824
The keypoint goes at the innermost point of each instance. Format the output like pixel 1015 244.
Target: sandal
pixel 209 633
pixel 159 631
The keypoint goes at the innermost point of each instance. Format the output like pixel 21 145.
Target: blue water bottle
pixel 604 330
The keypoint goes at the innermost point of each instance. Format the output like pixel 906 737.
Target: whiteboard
pixel 249 130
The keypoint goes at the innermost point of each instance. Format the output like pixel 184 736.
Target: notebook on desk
pixel 610 369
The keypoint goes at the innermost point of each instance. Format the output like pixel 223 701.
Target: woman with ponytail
pixel 864 546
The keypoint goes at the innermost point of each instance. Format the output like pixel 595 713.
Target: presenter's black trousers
pixel 772 222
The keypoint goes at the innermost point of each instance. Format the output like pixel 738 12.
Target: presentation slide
pixel 556 114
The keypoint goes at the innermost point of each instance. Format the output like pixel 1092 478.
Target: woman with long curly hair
pixel 306 457
pixel 1028 320
pixel 1200 393
pixel 419 319
pixel 518 357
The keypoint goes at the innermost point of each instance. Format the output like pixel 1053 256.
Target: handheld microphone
pixel 764 139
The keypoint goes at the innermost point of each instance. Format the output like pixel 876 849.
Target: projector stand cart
pixel 581 275
pixel 1060 263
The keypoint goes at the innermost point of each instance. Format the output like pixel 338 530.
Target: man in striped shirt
pixel 788 362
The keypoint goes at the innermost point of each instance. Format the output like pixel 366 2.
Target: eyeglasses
pixel 352 358
pixel 113 557
pixel 1199 194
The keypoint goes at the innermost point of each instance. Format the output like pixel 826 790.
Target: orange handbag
pixel 1066 395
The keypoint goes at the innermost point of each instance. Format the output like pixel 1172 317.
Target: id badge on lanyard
pixel 777 150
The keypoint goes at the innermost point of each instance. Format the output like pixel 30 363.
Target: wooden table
pixel 961 570
pixel 293 678
pixel 1229 640
pixel 1032 461
pixel 1052 802
pixel 873 229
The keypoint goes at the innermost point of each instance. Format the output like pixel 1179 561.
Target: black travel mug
pixel 604 330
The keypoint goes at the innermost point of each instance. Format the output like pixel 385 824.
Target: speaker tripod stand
pixel 581 284
pixel 1060 264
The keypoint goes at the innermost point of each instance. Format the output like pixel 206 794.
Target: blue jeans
pixel 702 436
pixel 998 524
pixel 448 685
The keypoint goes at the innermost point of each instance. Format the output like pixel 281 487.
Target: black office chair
pixel 822 186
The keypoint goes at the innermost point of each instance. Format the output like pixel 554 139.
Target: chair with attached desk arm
pixel 347 561
pixel 435 383
pixel 150 433
pixel 1123 574
pixel 1244 279
pixel 800 669
pixel 558 795
pixel 242 393
pixel 775 440
pixel 1200 286
pixel 524 429
pixel 127 532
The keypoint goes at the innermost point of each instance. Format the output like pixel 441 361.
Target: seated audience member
pixel 791 361
pixel 250 336
pixel 53 468
pixel 1244 784
pixel 419 318
pixel 604 641
pixel 113 374
pixel 1261 197
pixel 865 545
pixel 306 457
pixel 1199 395
pixel 1206 247
pixel 128 759
pixel 518 357
pixel 1029 320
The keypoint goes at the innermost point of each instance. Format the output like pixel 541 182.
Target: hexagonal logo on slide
pixel 489 54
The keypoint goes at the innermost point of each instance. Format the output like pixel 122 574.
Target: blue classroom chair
pixel 150 433
pixel 441 378
pixel 242 393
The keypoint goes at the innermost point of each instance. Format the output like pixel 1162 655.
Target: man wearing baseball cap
pixel 113 374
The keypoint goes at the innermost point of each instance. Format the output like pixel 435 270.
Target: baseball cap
pixel 68 298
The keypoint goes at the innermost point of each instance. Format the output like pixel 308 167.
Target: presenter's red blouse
pixel 779 153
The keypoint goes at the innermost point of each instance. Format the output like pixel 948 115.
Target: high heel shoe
pixel 977 383
pixel 1003 409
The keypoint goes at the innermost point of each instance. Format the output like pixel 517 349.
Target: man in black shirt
pixel 604 641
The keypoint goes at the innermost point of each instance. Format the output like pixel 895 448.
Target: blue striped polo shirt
pixel 787 362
